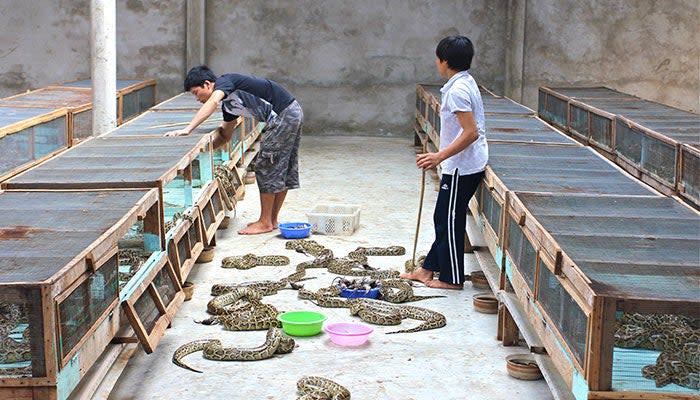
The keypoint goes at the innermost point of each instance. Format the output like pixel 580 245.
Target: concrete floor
pixel 463 360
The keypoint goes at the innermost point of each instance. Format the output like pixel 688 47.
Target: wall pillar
pixel 103 65
pixel 515 49
pixel 196 29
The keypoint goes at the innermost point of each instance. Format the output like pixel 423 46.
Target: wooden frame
pixel 211 205
pixel 687 183
pixel 187 237
pixel 545 110
pixel 30 123
pixel 638 168
pixel 149 339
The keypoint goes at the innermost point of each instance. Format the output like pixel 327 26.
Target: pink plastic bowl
pixel 348 334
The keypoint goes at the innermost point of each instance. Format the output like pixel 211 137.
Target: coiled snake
pixel 317 387
pixel 275 343
pixel 678 339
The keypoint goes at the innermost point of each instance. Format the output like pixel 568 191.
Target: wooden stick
pixel 420 207
pixel 168 125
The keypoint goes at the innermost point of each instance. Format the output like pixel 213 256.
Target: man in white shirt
pixel 462 156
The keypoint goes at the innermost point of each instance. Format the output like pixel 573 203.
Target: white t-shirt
pixel 461 93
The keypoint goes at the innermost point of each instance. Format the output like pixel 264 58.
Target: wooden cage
pixel 586 265
pixel 643 137
pixel 77 102
pixel 62 286
pixel 176 166
pixel 29 136
pixel 134 96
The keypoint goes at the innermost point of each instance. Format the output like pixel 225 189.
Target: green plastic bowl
pixel 301 323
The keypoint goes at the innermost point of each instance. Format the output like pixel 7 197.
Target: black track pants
pixel 446 255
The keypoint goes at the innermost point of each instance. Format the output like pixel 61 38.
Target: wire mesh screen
pixel 15 150
pixel 569 319
pixel 555 110
pixel 491 209
pixel 578 120
pixel 522 253
pixel 82 124
pixel 690 172
pixel 82 308
pixel 147 96
pixel 49 137
pixel 195 234
pixel 601 131
pixel 165 286
pixel 183 249
pixel 651 154
pixel 147 310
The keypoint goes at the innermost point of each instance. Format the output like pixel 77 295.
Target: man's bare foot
pixel 256 228
pixel 275 225
pixel 438 284
pixel 421 275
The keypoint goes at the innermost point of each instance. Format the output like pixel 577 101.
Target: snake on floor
pixel 275 343
pixel 318 387
pixel 375 311
pixel 240 309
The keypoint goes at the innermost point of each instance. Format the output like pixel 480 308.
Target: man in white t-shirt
pixel 463 156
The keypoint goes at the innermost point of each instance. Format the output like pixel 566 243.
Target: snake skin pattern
pixel 275 343
pixel 317 387
pixel 677 338
pixel 12 351
pixel 227 180
pixel 375 311
pixel 251 260
pixel 240 309
pixel 679 365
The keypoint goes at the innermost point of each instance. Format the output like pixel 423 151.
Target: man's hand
pixel 179 132
pixel 428 160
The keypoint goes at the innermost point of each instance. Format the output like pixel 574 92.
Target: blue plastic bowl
pixel 357 293
pixel 295 230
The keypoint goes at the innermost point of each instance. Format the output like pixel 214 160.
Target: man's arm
pixel 223 134
pixel 203 113
pixel 468 136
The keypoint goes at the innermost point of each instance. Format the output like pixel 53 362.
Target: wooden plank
pixel 517 313
pixel 555 382
pixel 600 342
pixel 597 395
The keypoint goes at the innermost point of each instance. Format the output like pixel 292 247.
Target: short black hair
pixel 458 51
pixel 197 76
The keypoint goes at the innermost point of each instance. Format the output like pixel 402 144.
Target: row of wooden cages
pixel 38 124
pixel 597 250
pixel 576 314
pixel 183 205
pixel 658 144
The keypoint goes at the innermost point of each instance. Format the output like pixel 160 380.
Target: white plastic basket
pixel 334 219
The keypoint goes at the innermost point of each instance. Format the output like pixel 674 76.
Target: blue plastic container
pixel 357 293
pixel 295 230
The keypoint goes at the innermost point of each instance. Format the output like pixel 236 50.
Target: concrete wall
pixel 354 64
pixel 44 42
pixel 647 48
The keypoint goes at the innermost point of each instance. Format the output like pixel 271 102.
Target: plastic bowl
pixel 295 230
pixel 348 334
pixel 301 323
pixel 357 293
